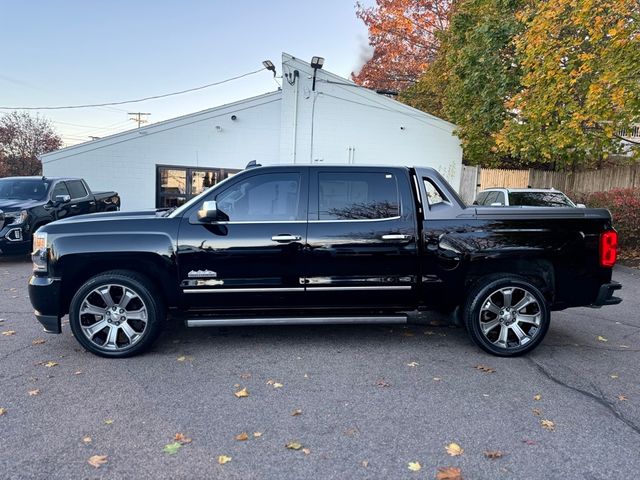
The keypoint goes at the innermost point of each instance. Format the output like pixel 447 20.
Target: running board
pixel 226 322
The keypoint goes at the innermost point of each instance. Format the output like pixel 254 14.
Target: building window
pixel 176 185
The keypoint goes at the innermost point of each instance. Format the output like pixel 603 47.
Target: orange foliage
pixel 403 35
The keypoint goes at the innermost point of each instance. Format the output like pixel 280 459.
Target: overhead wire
pixel 123 102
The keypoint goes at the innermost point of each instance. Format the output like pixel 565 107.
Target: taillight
pixel 608 248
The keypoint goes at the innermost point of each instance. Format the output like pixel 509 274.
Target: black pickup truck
pixel 322 244
pixel 27 203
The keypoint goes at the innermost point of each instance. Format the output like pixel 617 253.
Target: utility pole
pixel 138 117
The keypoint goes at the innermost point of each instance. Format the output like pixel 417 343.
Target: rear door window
pixel 358 196
pixel 76 189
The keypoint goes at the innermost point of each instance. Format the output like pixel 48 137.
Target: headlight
pixel 14 218
pixel 40 255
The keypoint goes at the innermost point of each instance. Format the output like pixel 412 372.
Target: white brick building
pixel 167 162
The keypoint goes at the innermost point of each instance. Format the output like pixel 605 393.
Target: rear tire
pixel 506 315
pixel 116 314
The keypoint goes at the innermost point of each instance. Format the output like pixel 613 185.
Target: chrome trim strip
pixel 224 322
pixel 346 287
pixel 357 220
pixel 231 222
pixel 246 290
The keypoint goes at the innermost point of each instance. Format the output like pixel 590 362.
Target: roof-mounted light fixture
pixel 316 64
pixel 268 64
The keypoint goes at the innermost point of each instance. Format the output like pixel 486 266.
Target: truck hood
pixel 106 216
pixel 12 204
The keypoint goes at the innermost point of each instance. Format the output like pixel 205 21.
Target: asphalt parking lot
pixel 371 399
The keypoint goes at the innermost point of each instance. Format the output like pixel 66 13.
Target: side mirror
pixel 581 205
pixel 208 212
pixel 60 199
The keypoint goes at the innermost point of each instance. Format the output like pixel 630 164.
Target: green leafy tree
pixel 474 75
pixel 580 84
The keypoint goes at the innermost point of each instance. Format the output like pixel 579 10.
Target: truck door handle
pixel 285 237
pixel 395 236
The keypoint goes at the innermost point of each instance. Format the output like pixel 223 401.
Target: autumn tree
pixel 403 36
pixel 473 75
pixel 581 83
pixel 22 138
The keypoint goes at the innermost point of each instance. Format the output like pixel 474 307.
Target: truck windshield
pixel 539 199
pixel 23 189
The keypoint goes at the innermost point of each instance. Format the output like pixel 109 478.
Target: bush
pixel 624 205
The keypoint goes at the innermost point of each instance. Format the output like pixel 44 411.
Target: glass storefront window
pixel 177 185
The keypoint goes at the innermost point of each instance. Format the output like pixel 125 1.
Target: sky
pixel 78 52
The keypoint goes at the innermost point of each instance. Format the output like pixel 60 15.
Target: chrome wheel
pixel 113 317
pixel 510 317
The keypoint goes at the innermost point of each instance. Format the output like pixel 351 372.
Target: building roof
pixel 160 126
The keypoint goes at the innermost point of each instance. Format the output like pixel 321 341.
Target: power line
pixel 154 97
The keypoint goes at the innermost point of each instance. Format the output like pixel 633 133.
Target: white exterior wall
pixel 127 162
pixel 378 130
pixel 347 124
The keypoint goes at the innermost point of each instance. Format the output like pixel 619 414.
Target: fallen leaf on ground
pixel 78 372
pixel 493 454
pixel 622 398
pixel 449 473
pixel 414 466
pixel 407 334
pixel 222 459
pixel 454 449
pixel 381 382
pixel 97 460
pixel 412 364
pixel 294 445
pixel 245 375
pixel 183 358
pixel 242 393
pixel 306 451
pixel 306 376
pixel 365 463
pixel 274 384
pixel 436 379
pixel 108 421
pixel 87 439
pixel 257 434
pixel 537 412
pixel 351 432
pixel 38 341
pixel 33 393
pixel 182 438
pixel 537 397
pixel 528 442
pixel 241 437
pixel 600 338
pixel 296 412
pixel 2 411
pixel 8 333
pixel 614 376
pixel 172 448
pixel 50 364
pixel 548 425
pixel 484 368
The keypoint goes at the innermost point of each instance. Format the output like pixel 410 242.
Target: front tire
pixel 116 314
pixel 506 315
